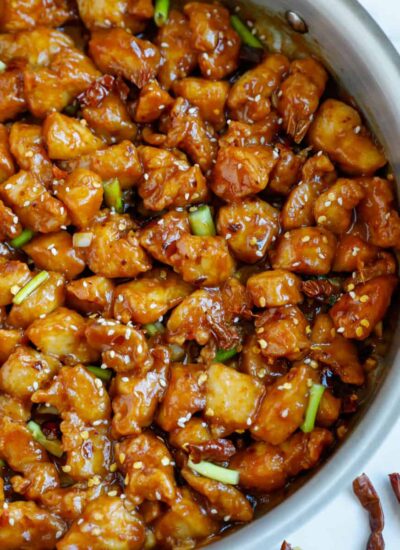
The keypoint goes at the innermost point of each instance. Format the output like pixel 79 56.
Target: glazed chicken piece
pixel 91 295
pixel 378 210
pixel 338 130
pixel 25 371
pixel 275 288
pixel 104 109
pixel 152 102
pixel 9 340
pixel 384 263
pixel 175 42
pixel 299 95
pixel 7 167
pixel 146 464
pixel 249 98
pixel 27 146
pixel 82 194
pixel 193 432
pixel 334 208
pixel 55 251
pixel 250 227
pixel 12 97
pixel 108 523
pixel 70 392
pixel 253 362
pixel 52 88
pixel 286 171
pixel 282 332
pixel 282 411
pixel 66 138
pixel 135 396
pixel 26 521
pixel 160 237
pixel 352 252
pixel 318 173
pixel 150 297
pixel 357 312
pixel 186 130
pixel 35 207
pixel 169 180
pixel 242 171
pixel 130 14
pixel 232 398
pixel 62 334
pixel 205 261
pixel 333 349
pixel 227 500
pixel 18 448
pixel 27 15
pixel 243 134
pixel 214 38
pixel 46 298
pixel 209 96
pixel 184 396
pixel 118 52
pixel 115 251
pixel 308 250
pixel 185 523
pixel 119 161
pixel 264 467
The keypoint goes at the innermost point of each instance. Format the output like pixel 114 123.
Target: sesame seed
pixel 209 412
pixel 263 344
pixel 340 330
pixel 113 467
pixel 138 465
pixel 262 301
pixel 364 298
pixel 67 468
pixel 364 323
pixel 359 331
pixel 165 461
pixel 85 434
pixel 122 457
pixel 321 219
pixel 112 493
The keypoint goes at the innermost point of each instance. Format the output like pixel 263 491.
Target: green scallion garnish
pixel 245 33
pixel 103 374
pixel 316 393
pixel 23 238
pixel 52 446
pixel 113 195
pixel 154 328
pixel 201 222
pixel 223 355
pixel 161 11
pixel 208 469
pixel 30 287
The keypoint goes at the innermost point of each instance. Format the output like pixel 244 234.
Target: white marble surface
pixel 343 524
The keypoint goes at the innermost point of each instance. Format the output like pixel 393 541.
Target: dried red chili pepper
pixel 369 499
pixel 317 288
pixel 214 449
pixel 395 482
pixel 286 546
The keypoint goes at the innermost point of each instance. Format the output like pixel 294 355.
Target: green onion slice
pixel 52 446
pixel 245 33
pixel 208 469
pixel 154 328
pixel 23 238
pixel 30 287
pixel 316 393
pixel 201 222
pixel 161 10
pixel 113 195
pixel 103 374
pixel 223 355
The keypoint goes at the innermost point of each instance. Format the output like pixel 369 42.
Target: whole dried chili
pixel 286 546
pixel 395 482
pixel 214 449
pixel 369 499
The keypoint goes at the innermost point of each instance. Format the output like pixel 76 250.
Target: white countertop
pixel 343 523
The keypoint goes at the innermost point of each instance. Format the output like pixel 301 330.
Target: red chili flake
pixel 395 481
pixel 214 449
pixel 369 499
pixel 286 546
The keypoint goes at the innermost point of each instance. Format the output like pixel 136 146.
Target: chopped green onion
pixel 3 67
pixel 177 352
pixel 30 287
pixel 161 10
pixel 201 222
pixel 154 328
pixel 208 469
pixel 52 446
pixel 223 355
pixel 113 195
pixel 23 238
pixel 316 393
pixel 245 33
pixel 44 409
pixel 103 374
